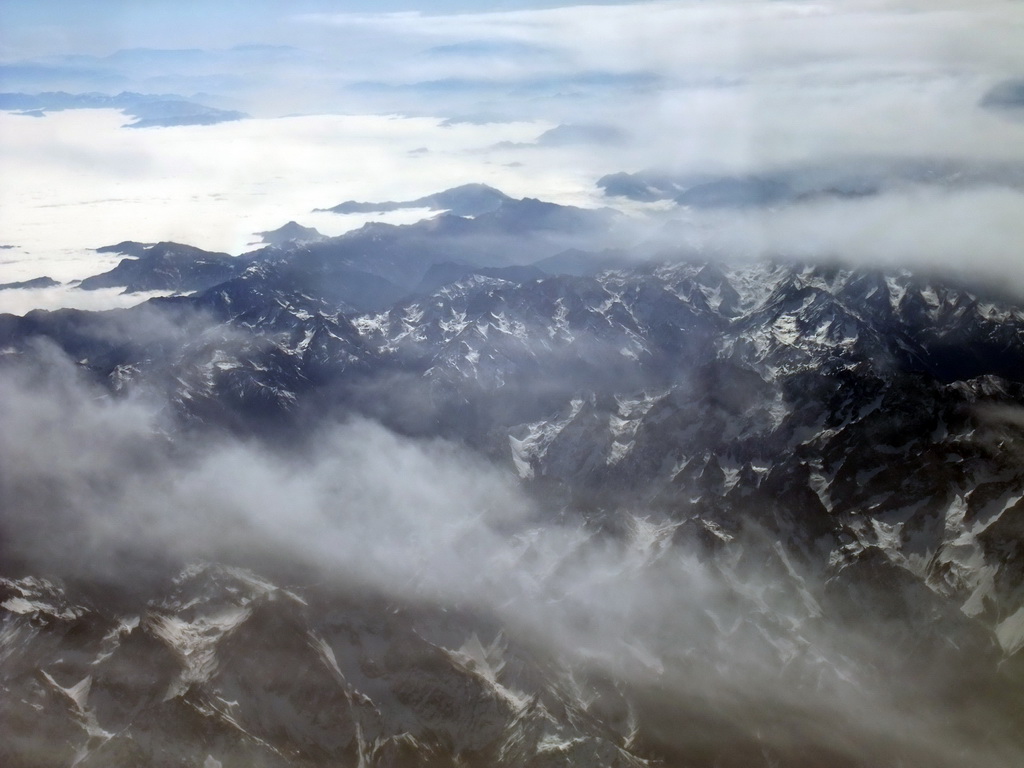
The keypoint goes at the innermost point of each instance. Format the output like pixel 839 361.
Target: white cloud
pixel 76 180
pixel 735 36
pixel 974 232
pixel 746 86
pixel 744 83
pixel 18 301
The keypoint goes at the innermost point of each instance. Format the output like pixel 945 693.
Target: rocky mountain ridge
pixel 840 448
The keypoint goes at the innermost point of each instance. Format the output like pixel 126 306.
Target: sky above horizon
pixel 919 103
pixel 34 28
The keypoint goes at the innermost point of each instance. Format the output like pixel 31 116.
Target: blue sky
pixel 46 27
pixel 329 56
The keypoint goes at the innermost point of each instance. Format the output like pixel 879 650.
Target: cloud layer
pixel 743 87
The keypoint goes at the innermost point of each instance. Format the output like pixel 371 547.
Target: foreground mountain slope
pixel 229 666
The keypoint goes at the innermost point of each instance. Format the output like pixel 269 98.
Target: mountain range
pixel 837 449
pixel 149 110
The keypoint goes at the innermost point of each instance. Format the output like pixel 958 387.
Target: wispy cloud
pixel 96 491
pixel 972 232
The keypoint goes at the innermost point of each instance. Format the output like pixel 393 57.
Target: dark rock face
pixel 290 233
pixel 1008 94
pixel 162 267
pixel 37 282
pixel 227 666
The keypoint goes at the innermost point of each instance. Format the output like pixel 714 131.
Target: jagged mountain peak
pixel 819 437
pixel 465 200
pixel 164 266
pixel 289 233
